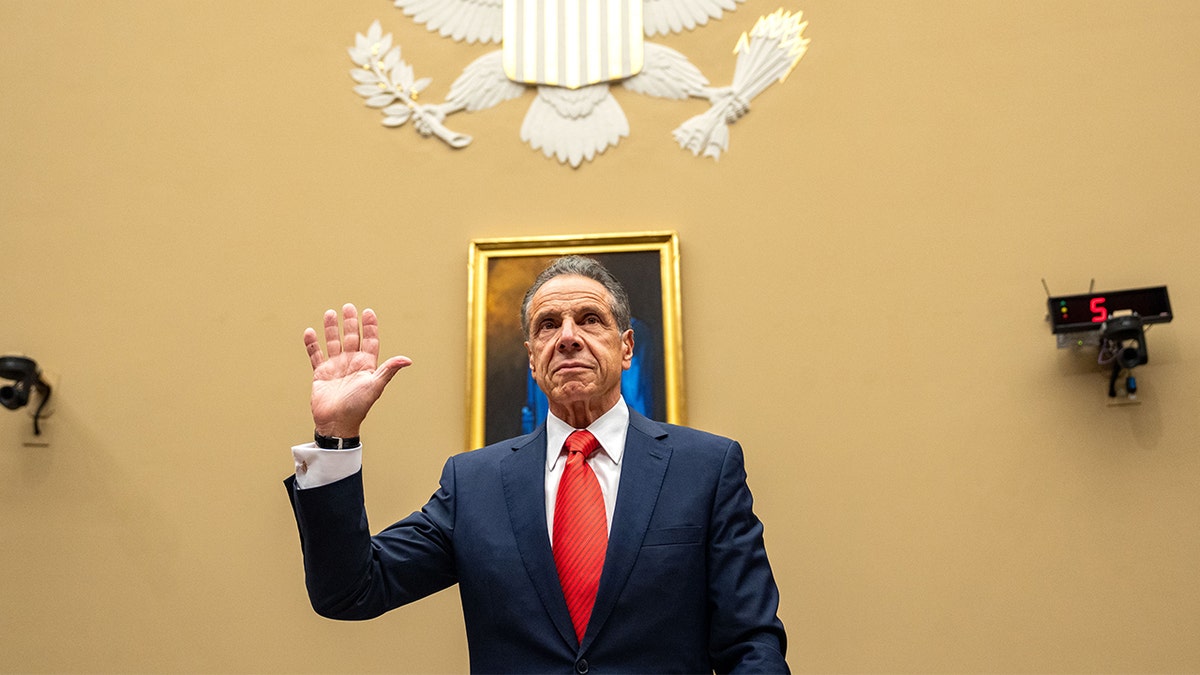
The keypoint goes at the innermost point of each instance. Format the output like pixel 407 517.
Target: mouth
pixel 572 366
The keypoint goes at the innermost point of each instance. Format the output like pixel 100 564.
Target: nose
pixel 568 340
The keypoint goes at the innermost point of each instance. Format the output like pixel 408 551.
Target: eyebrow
pixel 589 308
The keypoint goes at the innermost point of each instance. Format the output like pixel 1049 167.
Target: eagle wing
pixel 483 84
pixel 470 20
pixel 666 73
pixel 660 17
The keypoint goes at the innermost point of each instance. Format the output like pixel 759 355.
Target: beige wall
pixel 184 186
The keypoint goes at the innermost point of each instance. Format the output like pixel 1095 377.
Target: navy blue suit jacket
pixel 686 585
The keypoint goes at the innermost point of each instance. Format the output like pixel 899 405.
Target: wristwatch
pixel 335 442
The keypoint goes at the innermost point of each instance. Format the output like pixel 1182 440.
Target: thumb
pixel 388 369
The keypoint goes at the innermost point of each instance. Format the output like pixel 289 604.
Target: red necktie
pixel 580 530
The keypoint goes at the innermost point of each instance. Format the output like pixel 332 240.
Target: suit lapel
pixel 524 476
pixel 523 473
pixel 645 461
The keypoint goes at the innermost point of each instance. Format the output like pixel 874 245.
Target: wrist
pixel 336 442
pixel 337 429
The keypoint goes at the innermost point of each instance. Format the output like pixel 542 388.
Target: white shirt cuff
pixel 317 466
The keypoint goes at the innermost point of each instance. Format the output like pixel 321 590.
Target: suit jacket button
pixel 581 666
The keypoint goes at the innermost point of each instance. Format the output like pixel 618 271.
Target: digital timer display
pixel 1075 313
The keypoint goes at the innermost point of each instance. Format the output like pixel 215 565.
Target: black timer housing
pixel 1089 311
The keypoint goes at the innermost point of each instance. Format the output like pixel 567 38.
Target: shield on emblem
pixel 572 43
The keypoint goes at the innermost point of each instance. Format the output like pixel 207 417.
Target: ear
pixel 627 349
pixel 529 351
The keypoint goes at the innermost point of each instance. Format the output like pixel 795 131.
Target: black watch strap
pixel 335 442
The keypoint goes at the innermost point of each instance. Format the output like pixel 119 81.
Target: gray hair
pixel 584 267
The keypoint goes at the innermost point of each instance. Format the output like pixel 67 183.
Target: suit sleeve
pixel 352 575
pixel 746 634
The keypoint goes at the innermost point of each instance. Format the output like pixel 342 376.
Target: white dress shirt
pixel 317 466
pixel 610 429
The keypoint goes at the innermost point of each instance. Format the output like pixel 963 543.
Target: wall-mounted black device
pixel 27 379
pixel 1113 321
pixel 1089 311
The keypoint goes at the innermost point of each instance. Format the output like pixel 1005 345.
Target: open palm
pixel 347 376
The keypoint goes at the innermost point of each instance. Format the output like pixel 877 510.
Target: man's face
pixel 576 350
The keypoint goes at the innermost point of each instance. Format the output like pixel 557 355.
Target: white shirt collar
pixel 610 429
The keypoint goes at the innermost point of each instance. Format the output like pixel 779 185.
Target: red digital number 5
pixel 1099 311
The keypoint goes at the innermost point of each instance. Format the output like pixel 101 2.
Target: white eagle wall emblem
pixel 572 51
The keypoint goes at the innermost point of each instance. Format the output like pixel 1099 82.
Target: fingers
pixel 350 338
pixel 333 346
pixel 313 347
pixel 370 332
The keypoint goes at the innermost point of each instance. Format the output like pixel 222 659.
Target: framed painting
pixel 503 400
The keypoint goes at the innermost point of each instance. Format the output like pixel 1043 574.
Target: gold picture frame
pixel 500 394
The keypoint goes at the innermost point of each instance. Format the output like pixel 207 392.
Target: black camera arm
pixel 26 379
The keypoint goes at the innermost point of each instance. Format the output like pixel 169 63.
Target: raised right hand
pixel 347 378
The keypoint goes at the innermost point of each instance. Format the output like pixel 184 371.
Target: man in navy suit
pixel 684 584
